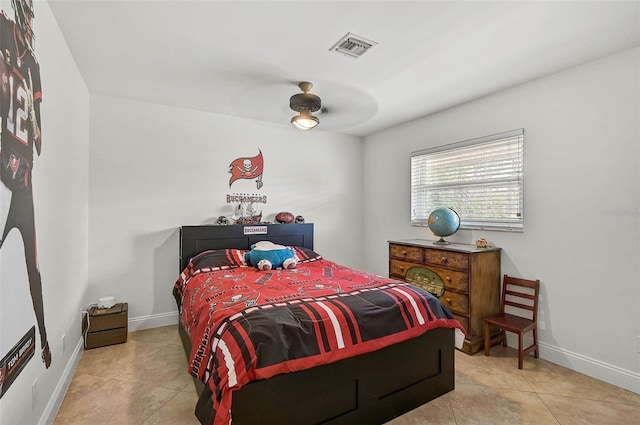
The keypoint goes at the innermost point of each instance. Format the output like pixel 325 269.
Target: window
pixel 481 179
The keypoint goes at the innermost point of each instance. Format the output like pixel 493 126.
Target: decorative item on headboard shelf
pixel 284 217
pixel 222 221
pixel 247 214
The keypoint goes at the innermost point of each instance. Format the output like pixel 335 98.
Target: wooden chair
pixel 522 316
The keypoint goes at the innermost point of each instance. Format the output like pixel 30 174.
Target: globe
pixel 444 222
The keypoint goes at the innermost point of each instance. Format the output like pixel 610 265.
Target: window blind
pixel 481 179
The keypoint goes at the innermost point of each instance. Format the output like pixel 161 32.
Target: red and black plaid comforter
pixel 247 324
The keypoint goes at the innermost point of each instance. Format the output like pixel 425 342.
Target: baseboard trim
pixel 55 401
pixel 153 321
pixel 609 373
pixel 597 369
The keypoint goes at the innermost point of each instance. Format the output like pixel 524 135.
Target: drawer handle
pixel 448 278
pixel 444 259
pixel 448 300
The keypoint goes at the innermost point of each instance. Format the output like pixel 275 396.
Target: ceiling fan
pixel 305 104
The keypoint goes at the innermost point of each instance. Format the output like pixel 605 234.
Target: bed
pixel 377 382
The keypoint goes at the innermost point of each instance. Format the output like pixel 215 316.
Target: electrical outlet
pixel 638 349
pixel 541 326
pixel 34 393
pixel 63 343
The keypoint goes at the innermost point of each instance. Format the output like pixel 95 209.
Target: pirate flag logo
pixel 247 168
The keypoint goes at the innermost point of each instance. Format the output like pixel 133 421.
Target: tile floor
pixel 112 385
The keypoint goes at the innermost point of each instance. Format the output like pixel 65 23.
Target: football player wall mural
pixel 21 135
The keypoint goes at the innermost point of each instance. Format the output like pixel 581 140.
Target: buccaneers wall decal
pixel 247 168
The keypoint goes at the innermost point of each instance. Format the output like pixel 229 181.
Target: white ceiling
pixel 245 58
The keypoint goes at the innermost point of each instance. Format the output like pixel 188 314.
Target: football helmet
pixel 24 15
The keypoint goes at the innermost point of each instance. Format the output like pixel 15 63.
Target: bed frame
pixel 371 388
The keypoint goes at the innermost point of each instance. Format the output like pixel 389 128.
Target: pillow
pixel 223 258
pixel 305 255
pixel 218 258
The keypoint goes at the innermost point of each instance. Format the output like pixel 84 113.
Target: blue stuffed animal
pixel 266 255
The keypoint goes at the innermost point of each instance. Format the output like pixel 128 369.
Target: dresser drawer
pixel 411 253
pixel 399 268
pixel 453 279
pixel 446 258
pixel 457 303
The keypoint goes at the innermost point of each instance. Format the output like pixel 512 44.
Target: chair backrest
pixel 522 296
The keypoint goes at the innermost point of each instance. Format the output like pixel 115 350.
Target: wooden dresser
pixel 465 278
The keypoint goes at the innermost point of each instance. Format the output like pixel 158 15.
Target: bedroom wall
pixel 154 168
pixel 582 205
pixel 60 185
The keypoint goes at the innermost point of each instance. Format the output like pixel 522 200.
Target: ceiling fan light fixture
pixel 305 103
pixel 304 121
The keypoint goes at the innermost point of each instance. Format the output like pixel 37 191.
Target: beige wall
pixel 154 168
pixel 582 205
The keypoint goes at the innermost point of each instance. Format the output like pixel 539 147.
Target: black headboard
pixel 195 239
